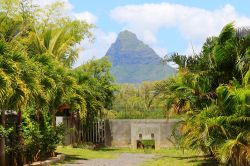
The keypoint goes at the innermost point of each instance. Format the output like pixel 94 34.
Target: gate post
pixel 107 133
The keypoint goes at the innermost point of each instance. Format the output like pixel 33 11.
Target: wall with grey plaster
pixel 118 132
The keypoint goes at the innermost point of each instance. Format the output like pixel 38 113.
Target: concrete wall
pixel 125 132
pixel 118 132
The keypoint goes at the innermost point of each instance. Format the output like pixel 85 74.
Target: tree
pixel 35 66
pixel 213 98
pixel 138 101
pixel 98 86
pixel 60 42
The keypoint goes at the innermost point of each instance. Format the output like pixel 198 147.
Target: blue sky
pixel 167 26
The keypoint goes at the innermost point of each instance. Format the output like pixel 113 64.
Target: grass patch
pixel 165 157
pixel 178 157
pixel 87 153
pixel 73 154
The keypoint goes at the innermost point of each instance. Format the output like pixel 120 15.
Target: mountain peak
pixel 128 49
pixel 135 62
pixel 127 35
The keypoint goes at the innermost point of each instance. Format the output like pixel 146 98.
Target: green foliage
pixel 214 100
pixel 148 144
pixel 40 136
pixel 133 114
pixel 5 132
pixel 98 86
pixel 138 102
pixel 37 50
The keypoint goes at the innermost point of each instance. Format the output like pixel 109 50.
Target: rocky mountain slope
pixel 135 62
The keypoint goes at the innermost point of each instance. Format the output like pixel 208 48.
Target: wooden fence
pixel 96 133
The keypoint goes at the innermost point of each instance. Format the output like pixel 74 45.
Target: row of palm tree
pixel 212 93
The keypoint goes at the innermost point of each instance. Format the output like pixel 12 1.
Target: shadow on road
pixel 203 160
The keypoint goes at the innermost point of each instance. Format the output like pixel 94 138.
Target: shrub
pixel 40 136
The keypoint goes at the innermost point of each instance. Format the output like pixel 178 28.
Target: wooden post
pixel 2 141
pixel 20 141
pixel 96 132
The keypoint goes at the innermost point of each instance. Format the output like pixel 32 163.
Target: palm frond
pixel 227 32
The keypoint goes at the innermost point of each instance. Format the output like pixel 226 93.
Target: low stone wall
pixel 53 160
pixel 124 133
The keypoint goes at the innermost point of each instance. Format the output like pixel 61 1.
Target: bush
pixel 148 144
pixel 40 136
pixel 146 114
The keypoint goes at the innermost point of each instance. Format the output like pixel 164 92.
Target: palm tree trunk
pixel 2 140
pixel 211 152
pixel 19 153
pixel 53 117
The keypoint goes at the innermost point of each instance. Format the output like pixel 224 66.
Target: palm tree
pixel 55 43
pixel 60 42
pixel 13 65
pixel 214 99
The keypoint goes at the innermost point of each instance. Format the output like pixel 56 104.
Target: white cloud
pixel 194 24
pixel 90 50
pixel 98 48
pixel 86 16
pixel 68 6
pixel 69 10
pixel 160 51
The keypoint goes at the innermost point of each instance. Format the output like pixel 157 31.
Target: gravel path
pixel 125 159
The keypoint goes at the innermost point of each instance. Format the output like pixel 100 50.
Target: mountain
pixel 135 62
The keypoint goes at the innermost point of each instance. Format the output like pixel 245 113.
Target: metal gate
pixel 96 133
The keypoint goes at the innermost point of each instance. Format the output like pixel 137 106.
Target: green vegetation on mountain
pixel 137 73
pixel 135 62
